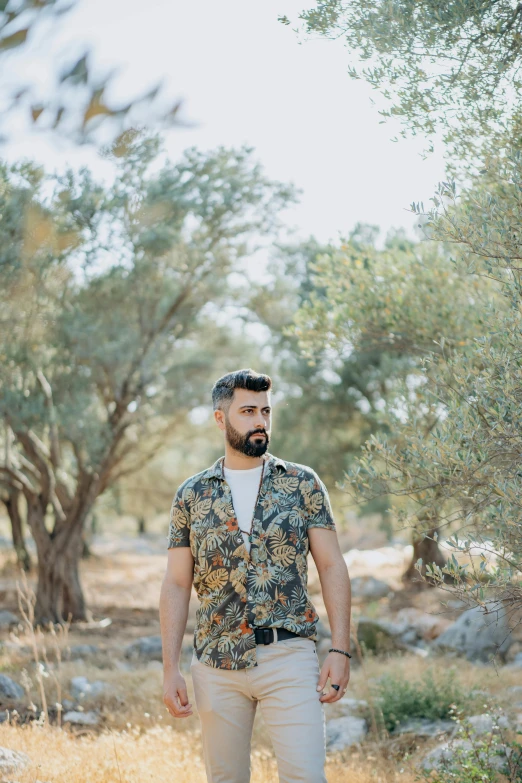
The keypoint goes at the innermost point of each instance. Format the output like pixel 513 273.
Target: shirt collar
pixel 216 470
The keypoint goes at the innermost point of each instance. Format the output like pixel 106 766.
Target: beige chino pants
pixel 284 683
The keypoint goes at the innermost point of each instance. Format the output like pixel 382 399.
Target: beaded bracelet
pixel 334 649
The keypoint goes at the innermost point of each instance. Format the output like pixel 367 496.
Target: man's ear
pixel 219 418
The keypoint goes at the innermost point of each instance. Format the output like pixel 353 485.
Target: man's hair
pixel 223 389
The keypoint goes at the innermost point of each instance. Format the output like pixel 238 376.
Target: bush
pixel 400 699
pixel 485 759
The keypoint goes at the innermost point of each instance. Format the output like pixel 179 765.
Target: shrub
pixel 401 699
pixel 489 758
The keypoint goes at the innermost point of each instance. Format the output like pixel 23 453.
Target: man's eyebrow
pixel 253 406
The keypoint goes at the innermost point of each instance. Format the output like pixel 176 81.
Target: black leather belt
pixel 266 635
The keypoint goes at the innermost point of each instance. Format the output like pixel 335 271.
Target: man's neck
pixel 237 461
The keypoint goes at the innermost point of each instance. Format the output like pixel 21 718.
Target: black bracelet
pixel 333 649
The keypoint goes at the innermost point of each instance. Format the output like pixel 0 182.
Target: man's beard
pixel 247 444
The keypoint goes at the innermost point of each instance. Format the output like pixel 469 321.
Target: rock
pixel 155 666
pixel 424 727
pixel 376 635
pixel 343 732
pixel 322 630
pixel 443 753
pixel 410 636
pixel 146 648
pixel 3 716
pixel 369 588
pixel 122 666
pixel 81 651
pixel 371 560
pixel 81 688
pixel 427 626
pixel 7 619
pixel 12 761
pixel 349 705
pixel 446 753
pixel 81 718
pixel 323 646
pixel 10 690
pixel 483 724
pixel 477 635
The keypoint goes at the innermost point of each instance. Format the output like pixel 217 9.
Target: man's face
pixel 247 422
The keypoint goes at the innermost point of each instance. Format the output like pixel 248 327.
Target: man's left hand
pixel 336 667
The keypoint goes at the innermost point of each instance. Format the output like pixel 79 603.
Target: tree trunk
pixel 429 551
pixel 58 593
pixel 73 599
pixel 13 511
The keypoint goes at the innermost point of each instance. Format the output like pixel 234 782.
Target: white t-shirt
pixel 244 485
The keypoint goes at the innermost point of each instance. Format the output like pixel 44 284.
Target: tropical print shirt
pixel 267 586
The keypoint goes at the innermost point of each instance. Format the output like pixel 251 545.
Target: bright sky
pixel 245 78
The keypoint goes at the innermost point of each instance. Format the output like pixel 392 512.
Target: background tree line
pixel 115 302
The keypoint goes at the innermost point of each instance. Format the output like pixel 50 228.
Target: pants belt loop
pixel 275 634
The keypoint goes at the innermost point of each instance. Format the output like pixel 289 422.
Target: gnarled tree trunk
pixel 11 502
pixel 59 595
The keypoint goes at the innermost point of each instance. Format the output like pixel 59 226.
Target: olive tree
pixel 108 336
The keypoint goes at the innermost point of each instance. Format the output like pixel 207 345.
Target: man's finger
pixel 333 694
pixel 176 709
pixel 322 678
pixel 182 708
pixel 183 696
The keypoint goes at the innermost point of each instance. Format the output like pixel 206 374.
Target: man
pixel 240 531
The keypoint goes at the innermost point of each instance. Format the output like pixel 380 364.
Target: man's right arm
pixel 173 609
pixel 174 603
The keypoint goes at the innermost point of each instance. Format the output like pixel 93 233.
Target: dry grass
pixel 137 739
pixel 159 753
pixel 136 730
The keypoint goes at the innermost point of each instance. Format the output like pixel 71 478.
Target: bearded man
pixel 240 532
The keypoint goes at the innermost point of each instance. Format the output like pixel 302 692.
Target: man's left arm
pixel 336 590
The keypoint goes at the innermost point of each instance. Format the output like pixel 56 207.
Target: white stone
pixel 147 648
pixel 12 760
pixel 10 690
pixel 343 732
pixel 81 718
pixel 81 688
pixel 349 705
pixel 424 727
pixel 7 619
pixel 483 724
pixel 369 587
pixel 478 635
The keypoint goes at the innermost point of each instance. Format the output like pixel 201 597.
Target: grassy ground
pixel 137 739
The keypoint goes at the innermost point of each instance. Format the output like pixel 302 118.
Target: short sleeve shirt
pixel 238 590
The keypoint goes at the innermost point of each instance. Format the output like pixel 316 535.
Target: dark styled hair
pixel 223 389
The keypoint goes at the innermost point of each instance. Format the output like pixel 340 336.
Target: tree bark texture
pixel 11 502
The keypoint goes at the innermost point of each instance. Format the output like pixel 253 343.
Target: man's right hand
pixel 175 695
